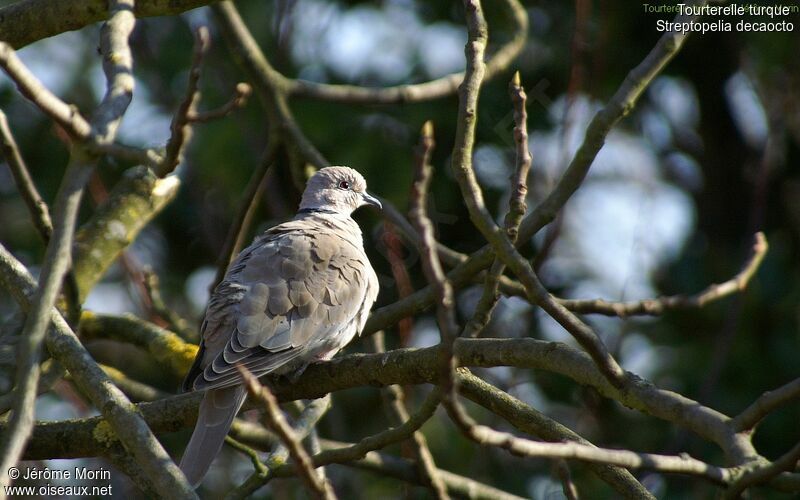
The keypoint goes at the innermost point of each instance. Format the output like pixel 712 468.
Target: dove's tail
pixel 214 419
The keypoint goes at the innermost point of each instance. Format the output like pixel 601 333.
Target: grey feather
pixel 214 419
pixel 298 294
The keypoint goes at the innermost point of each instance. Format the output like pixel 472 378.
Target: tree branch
pixel 166 348
pixel 237 232
pixel 122 417
pixel 622 480
pixel 55 266
pixel 421 92
pixel 303 426
pixel 480 216
pixel 65 115
pixel 241 93
pixel 623 101
pixel 37 208
pixel 136 200
pixel 766 404
pixel 415 366
pixel 118 69
pixel 27 21
pixel 517 207
pixel 762 473
pixel 159 307
pixel 181 127
pixel 458 486
pixel 526 419
pixel 431 265
pixel 394 402
pixel 274 417
pixel 567 484
pixel 654 307
pixel 271 86
pixel 68 116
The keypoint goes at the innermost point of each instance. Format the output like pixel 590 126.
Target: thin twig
pixel 431 265
pixel 432 268
pixel 315 448
pixel 422 92
pixel 354 452
pixel 682 464
pixel 270 86
pixel 528 420
pixel 258 465
pixel 465 175
pixel 458 486
pixel 240 226
pixel 517 207
pixel 660 305
pixel 277 421
pixel 761 474
pixel 394 399
pixel 37 208
pixel 303 426
pixel 399 268
pixel 133 389
pixel 65 115
pixel 384 438
pixel 393 216
pixel 620 105
pixel 118 69
pixel 174 320
pixel 567 484
pixel 766 404
pixel 181 127
pixel 653 307
pixel 51 372
pixel 239 99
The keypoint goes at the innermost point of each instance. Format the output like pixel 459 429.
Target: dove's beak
pixel 368 199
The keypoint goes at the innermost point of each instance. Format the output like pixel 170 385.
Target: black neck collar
pixel 317 211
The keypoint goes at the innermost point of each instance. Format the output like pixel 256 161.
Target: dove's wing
pixel 302 290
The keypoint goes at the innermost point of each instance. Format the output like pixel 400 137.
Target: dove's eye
pixel 344 185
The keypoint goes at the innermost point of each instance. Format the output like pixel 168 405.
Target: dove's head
pixel 337 189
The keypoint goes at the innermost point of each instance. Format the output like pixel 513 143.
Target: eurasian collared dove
pixel 298 294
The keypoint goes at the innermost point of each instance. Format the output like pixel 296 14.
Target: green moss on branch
pixel 131 205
